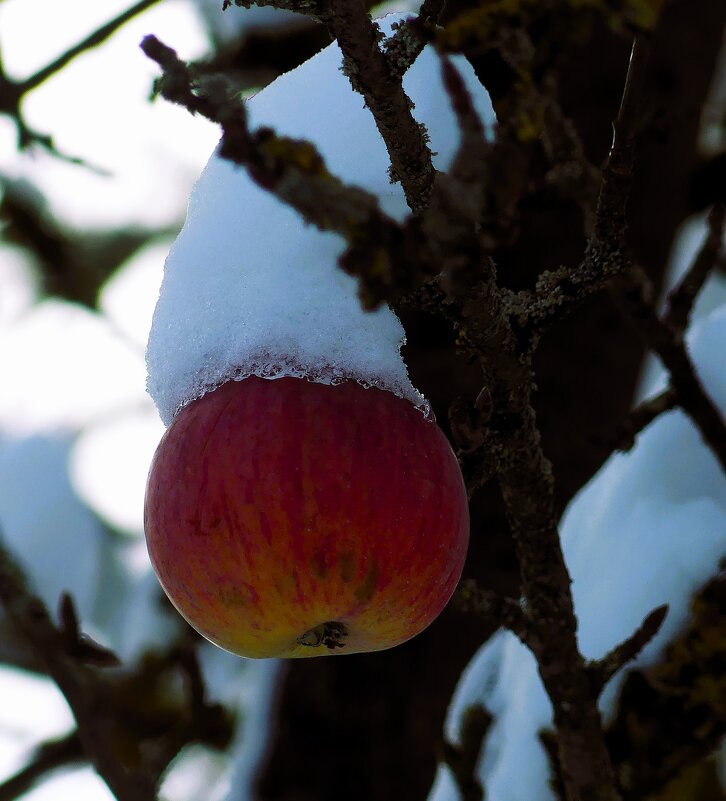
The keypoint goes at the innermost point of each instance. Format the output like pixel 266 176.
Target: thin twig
pixel 76 681
pixel 47 757
pixel 635 294
pixel 606 256
pixel 683 296
pixel 602 670
pixel 639 418
pixel 94 39
pixel 507 612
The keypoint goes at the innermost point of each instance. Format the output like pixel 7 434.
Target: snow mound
pixel 649 529
pixel 250 289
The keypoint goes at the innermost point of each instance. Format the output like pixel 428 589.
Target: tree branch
pixel 635 294
pixel 368 70
pixel 125 733
pixel 639 418
pixel 411 36
pixel 602 670
pixel 99 36
pixel 12 92
pixel 46 758
pixel 76 681
pixel 525 475
pixel 507 612
pixel 682 297
pixel 561 291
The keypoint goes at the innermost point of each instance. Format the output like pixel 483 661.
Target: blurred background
pixel 94 180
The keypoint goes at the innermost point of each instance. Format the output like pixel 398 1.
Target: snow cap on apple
pixel 322 511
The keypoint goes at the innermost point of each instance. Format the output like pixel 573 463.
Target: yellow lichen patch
pixel 294 153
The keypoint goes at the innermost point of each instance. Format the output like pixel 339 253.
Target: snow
pixel 18 283
pixel 127 299
pixel 69 366
pixel 250 289
pixel 109 464
pixel 650 528
pixel 688 242
pixel 38 712
pixel 247 687
pixel 77 427
pixel 97 108
pixel 57 539
pixel 232 25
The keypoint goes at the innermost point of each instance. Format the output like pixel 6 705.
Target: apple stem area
pixel 331 634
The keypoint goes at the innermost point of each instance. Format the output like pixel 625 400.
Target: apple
pixel 286 518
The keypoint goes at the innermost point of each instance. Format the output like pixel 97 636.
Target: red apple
pixel 288 518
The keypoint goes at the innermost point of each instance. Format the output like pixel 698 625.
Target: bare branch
pixel 12 92
pixel 463 759
pixel 602 670
pixel 611 220
pixel 368 69
pixel 639 418
pixel 477 304
pixel 560 292
pixel 411 36
pixel 94 39
pixel 77 682
pixel 47 757
pixel 635 294
pixel 683 296
pixel 507 612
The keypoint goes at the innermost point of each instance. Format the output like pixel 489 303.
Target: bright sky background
pixel 71 369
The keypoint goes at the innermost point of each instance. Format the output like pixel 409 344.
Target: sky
pixel 75 419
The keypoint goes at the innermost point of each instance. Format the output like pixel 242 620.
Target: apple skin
pixel 282 515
